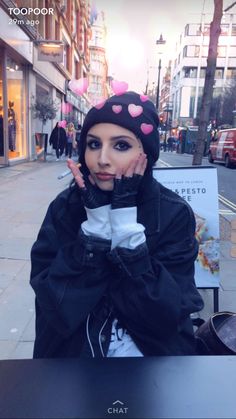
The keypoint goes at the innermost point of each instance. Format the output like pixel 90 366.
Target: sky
pixel 133 26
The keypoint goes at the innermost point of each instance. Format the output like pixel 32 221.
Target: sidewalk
pixel 25 192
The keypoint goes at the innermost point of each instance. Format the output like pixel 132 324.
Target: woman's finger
pixel 143 167
pixel 76 173
pixel 130 170
pixel 119 174
pixel 74 167
pixel 79 180
pixel 141 164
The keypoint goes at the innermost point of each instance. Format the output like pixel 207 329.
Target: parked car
pixel 223 147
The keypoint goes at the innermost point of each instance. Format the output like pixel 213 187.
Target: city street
pixel 226 177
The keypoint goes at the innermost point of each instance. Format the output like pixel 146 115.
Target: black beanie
pixel 131 111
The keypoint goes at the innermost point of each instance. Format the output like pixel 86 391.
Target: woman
pixel 113 264
pixel 70 135
pixel 58 140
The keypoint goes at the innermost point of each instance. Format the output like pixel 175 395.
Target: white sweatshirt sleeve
pixel 98 222
pixel 125 231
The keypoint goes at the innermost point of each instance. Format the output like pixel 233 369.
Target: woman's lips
pixel 104 176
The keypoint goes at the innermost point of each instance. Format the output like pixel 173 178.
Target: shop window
pixel 202 73
pixel 231 73
pixel 192 102
pixel 193 51
pixel 192 30
pixel 16 107
pixel 219 73
pixel 190 72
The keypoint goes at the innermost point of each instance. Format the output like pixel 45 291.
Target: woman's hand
pixel 126 183
pixel 92 196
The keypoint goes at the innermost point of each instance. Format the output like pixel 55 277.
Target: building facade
pixel 98 89
pixel 189 68
pixel 26 27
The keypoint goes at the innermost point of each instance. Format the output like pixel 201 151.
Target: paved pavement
pixel 25 192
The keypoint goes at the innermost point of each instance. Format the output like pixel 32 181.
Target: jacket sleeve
pixel 51 137
pixel 154 293
pixel 69 279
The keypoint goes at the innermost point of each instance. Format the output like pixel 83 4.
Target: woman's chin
pixel 105 186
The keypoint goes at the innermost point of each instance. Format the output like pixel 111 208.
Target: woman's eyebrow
pixel 122 137
pixel 93 136
pixel 115 138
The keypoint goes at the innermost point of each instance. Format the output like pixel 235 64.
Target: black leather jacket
pixel 81 285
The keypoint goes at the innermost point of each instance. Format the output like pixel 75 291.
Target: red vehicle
pixel 223 148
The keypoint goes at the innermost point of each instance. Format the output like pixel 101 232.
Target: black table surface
pixel 155 387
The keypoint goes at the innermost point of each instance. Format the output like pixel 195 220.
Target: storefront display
pixel 16 107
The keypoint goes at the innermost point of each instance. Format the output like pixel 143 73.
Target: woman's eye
pixel 93 144
pixel 122 146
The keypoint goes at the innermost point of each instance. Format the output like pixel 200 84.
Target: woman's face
pixel 110 149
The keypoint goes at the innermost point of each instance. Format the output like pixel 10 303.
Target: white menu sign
pixel 198 186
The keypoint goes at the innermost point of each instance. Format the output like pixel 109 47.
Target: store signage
pixel 73 99
pixel 198 186
pixel 50 51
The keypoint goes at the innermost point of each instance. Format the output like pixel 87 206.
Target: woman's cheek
pixel 88 160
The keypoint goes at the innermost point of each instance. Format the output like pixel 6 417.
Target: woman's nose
pixel 103 158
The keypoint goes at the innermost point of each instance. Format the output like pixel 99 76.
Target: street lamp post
pixel 158 84
pixel 160 41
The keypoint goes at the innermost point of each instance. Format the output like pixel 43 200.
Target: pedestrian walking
pixel 58 140
pixel 113 264
pixel 170 143
pixel 70 135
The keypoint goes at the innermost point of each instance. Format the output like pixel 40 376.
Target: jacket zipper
pixel 99 335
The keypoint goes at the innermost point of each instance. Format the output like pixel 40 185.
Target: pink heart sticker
pixel 144 98
pixel 79 86
pixel 135 110
pixel 66 108
pixel 119 87
pixel 100 105
pixel 146 128
pixel 62 124
pixel 117 108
